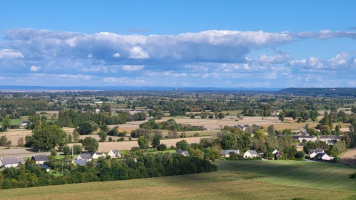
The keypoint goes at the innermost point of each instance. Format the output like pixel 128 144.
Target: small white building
pixel 226 153
pixel 97 111
pixel 251 154
pixel 114 153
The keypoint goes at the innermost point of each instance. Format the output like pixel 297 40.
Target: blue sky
pixel 178 43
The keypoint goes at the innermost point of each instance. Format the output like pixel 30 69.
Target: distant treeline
pixel 131 167
pixel 72 118
pixel 327 92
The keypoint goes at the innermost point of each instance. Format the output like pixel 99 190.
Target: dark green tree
pixel 90 144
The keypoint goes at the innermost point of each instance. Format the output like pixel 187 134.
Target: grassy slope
pixel 234 180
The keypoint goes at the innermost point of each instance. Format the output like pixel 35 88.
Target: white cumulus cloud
pixel 132 68
pixel 34 68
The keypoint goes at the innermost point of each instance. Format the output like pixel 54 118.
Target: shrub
pixel 53 152
pixel 161 147
pixel 196 135
pixel 77 149
pixel 14 126
pixel 110 139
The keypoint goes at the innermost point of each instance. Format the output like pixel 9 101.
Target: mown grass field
pixel 234 180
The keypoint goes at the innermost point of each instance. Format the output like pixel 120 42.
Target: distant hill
pixel 327 92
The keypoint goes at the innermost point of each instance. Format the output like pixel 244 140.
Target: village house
pixel 40 159
pixel 330 139
pixel 24 123
pixel 114 153
pixel 80 162
pixel 44 167
pixel 324 156
pixel 226 153
pixel 302 138
pixel 85 156
pixel 316 151
pixel 251 154
pixel 181 152
pixel 11 162
pixel 98 155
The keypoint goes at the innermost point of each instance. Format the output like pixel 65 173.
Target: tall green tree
pixel 90 144
pixel 281 116
pixel 271 130
pixel 142 142
pixel 48 137
pixel 229 141
pixel 6 123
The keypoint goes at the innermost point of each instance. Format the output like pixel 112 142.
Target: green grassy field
pixel 234 180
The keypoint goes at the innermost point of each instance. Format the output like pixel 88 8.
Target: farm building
pixel 251 154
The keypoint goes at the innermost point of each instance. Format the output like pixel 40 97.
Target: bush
pixel 110 139
pixel 77 149
pixel 161 147
pixel 121 139
pixel 53 152
pixel 135 148
pixel 196 135
pixel 123 134
pixel 14 126
pixel 353 176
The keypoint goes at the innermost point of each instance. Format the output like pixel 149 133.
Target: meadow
pixel 242 179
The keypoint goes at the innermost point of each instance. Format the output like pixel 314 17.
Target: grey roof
pixel 184 153
pixel 12 161
pixel 115 151
pixel 316 151
pixel 227 152
pixel 43 166
pixel 330 137
pixel 80 162
pixel 40 158
pixel 86 156
pixel 253 152
pixel 319 155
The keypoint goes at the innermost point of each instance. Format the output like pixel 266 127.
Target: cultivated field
pixel 127 145
pixel 235 180
pixel 217 124
pixel 349 157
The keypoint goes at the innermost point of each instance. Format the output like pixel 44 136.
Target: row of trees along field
pixel 132 166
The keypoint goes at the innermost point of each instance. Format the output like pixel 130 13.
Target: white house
pixel 24 123
pixel 85 156
pixel 98 155
pixel 114 153
pixel 312 155
pixel 274 151
pixel 11 162
pixel 40 159
pixel 226 153
pixel 324 156
pixel 251 154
